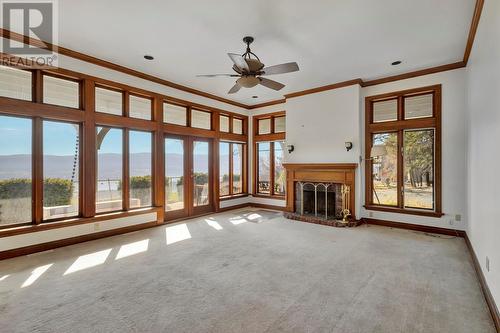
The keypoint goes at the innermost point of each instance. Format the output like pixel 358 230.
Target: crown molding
pixel 107 64
pixel 478 9
pixel 87 58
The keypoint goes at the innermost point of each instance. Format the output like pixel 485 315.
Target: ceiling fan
pixel 251 70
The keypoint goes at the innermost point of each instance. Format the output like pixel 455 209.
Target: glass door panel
pixel 174 174
pixel 201 174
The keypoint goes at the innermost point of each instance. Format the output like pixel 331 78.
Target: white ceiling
pixel 331 40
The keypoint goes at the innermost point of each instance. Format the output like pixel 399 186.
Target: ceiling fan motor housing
pixel 248 81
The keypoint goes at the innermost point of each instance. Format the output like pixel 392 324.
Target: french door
pixel 188 176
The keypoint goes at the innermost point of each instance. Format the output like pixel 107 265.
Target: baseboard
pixel 73 240
pixel 416 227
pixel 484 286
pixel 259 205
pixel 243 205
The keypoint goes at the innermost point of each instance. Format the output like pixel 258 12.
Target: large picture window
pixel 269 172
pixel 109 146
pixel 271 177
pixel 140 169
pixel 61 160
pixel 231 168
pixel 403 155
pixel 15 170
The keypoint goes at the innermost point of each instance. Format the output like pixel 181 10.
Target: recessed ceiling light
pixel 148 57
pixel 254 96
pixel 395 63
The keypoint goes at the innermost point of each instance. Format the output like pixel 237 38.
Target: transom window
pixel 403 151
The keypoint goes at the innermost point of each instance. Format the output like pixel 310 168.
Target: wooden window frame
pixel 399 126
pixel 271 138
pixel 244 179
pixel 89 119
pixel 191 110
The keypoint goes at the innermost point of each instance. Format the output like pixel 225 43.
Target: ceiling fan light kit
pixel 250 70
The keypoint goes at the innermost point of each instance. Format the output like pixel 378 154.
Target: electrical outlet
pixel 458 217
pixel 370 214
pixel 97 226
pixel 451 222
pixel 487 263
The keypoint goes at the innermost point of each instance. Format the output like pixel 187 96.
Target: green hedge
pixel 137 182
pixel 56 191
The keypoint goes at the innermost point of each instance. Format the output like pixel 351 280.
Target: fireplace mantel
pixel 342 173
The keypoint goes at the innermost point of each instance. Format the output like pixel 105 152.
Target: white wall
pixel 454 143
pixel 50 235
pixel 318 125
pixel 483 77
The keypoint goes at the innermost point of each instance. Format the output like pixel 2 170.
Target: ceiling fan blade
pixel 234 89
pixel 239 61
pixel 271 84
pixel 216 75
pixel 281 69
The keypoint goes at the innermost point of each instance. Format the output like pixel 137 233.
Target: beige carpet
pixel 224 273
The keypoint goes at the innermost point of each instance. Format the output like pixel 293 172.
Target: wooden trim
pixel 73 240
pixel 473 29
pixel 37 158
pixel 415 227
pixel 421 72
pixel 399 126
pixel 495 314
pixel 234 196
pixel 261 105
pixel 408 211
pixel 265 206
pixel 325 88
pixel 315 166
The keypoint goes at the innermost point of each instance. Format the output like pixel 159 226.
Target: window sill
pixel 276 197
pixel 403 211
pixel 75 221
pixel 236 196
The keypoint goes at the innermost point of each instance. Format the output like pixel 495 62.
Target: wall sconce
pixel 348 145
pixel 290 148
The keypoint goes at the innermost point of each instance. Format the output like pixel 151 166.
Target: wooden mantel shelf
pixel 341 173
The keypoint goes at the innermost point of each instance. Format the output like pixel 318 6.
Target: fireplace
pixel 321 193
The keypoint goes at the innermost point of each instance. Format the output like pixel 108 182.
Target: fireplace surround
pixel 321 193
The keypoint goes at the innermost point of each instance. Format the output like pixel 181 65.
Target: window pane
pixel 279 124
pixel 264 126
pixel 15 83
pixel 385 111
pixel 237 168
pixel 279 170
pixel 174 174
pixel 61 151
pixel 419 169
pixel 418 106
pixel 223 168
pixel 200 173
pixel 61 92
pixel 140 170
pixel 174 114
pixel 109 143
pixel 200 119
pixel 237 126
pixel 140 107
pixel 15 170
pixel 264 174
pixel 108 101
pixel 385 189
pixel 224 124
